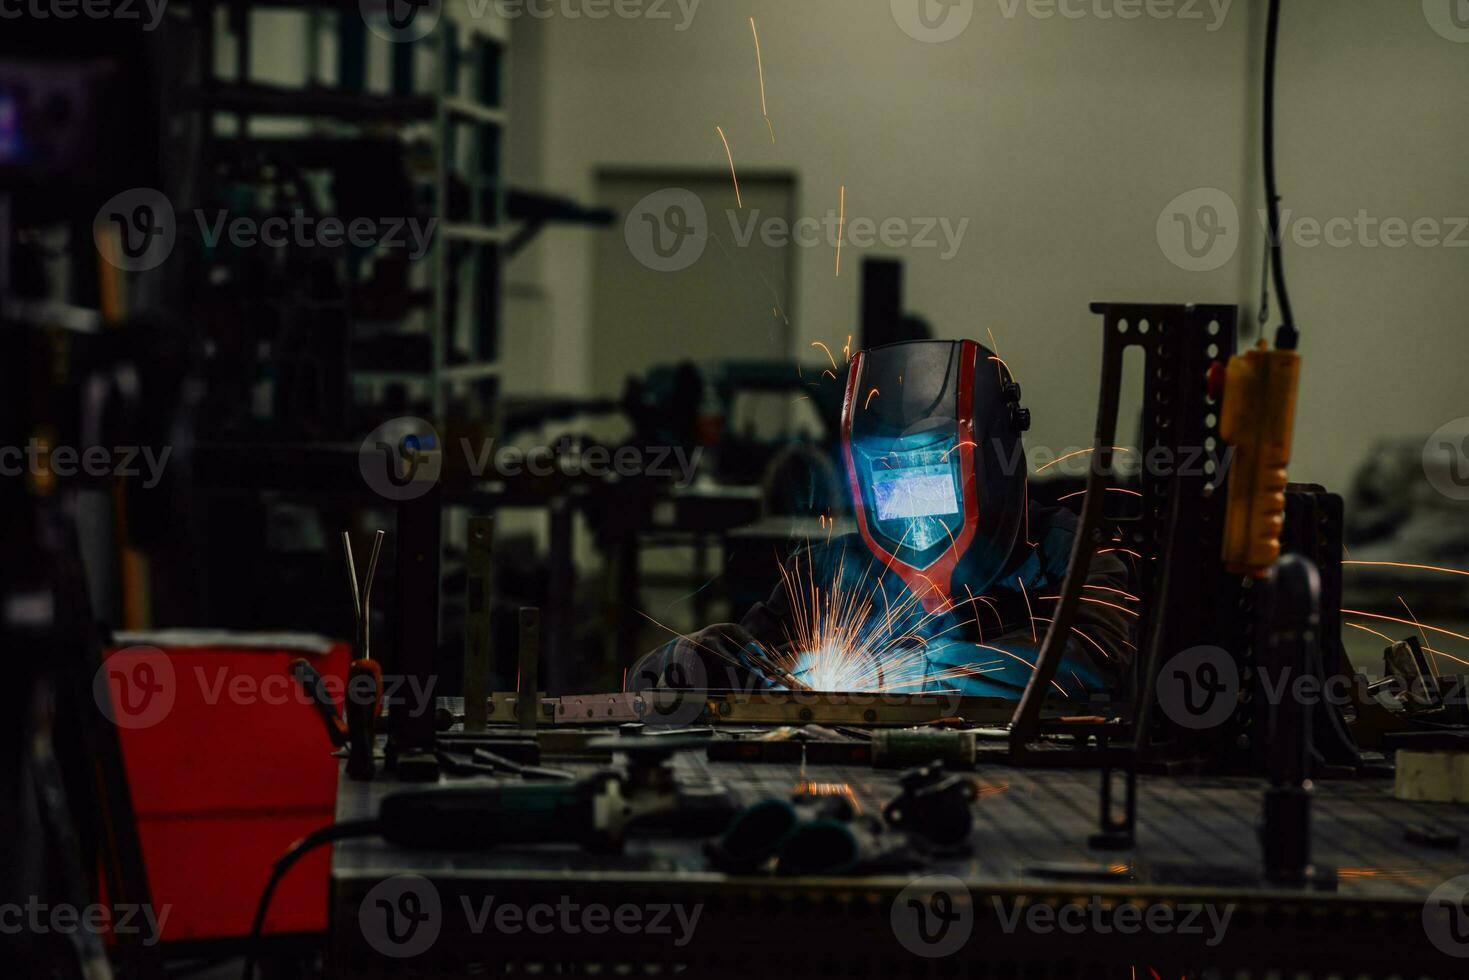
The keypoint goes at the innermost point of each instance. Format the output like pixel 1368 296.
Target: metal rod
pixel 478 593
pixel 527 699
pixel 1026 720
pixel 352 576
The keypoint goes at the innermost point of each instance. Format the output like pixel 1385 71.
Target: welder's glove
pixel 719 657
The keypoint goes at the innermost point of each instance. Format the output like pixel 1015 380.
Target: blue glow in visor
pixel 919 491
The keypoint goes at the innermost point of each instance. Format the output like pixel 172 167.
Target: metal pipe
pixel 527 698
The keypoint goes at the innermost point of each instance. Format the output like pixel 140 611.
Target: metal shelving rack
pixel 466 117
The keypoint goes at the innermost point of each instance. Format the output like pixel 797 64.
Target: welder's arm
pixel 1100 645
pixel 723 656
pixel 718 657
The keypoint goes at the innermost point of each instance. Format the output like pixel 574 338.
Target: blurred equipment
pixel 598 812
pixel 934 805
pixel 1290 621
pixel 364 677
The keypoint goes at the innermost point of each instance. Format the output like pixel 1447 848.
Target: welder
pixel 956 569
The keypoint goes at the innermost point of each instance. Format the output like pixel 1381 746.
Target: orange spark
pixel 1398 564
pixel 841 229
pixel 1079 452
pixel 1367 629
pixel 870 395
pixel 1082 493
pixel 1103 588
pixel 1414 619
pixel 1099 602
pixel 1028 611
pixel 1406 622
pixel 1125 551
pixel 827 351
pixel 1100 648
pixel 996 348
pixel 760 65
pixel 971 445
pixel 729 153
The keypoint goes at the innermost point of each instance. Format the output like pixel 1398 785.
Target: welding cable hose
pixel 755 836
pixel 298 850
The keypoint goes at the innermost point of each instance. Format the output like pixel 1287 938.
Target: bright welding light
pixel 926 491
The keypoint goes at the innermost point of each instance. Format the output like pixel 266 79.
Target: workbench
pixel 1196 848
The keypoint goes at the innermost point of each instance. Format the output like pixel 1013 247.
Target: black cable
pixel 298 850
pixel 1287 337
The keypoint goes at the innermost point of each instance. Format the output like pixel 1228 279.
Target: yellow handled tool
pixel 1258 419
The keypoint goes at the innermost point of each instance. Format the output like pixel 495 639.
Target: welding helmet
pixel 931 437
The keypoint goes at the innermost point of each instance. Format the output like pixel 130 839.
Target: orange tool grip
pixel 1258 419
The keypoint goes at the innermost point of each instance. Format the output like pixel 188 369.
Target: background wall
pixel 1062 141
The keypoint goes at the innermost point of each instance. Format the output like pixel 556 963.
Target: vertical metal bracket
pixel 479 587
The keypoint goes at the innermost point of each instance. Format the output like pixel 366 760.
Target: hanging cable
pixel 298 850
pixel 1287 337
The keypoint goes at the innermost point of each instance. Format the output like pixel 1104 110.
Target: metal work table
pixel 1196 845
